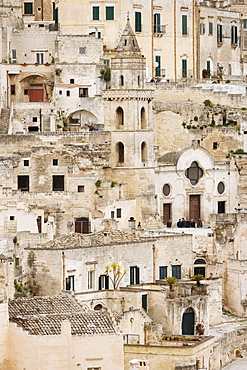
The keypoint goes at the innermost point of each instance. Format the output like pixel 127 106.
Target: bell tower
pixel 128 116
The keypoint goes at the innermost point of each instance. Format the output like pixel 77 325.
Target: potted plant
pixel 171 280
pixel 198 279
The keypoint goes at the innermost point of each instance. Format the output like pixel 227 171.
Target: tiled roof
pixel 44 315
pixel 106 236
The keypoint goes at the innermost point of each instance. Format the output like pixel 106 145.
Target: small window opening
pixel 72 81
pixel 67 93
pixel 12 218
pixel 55 162
pixel 26 162
pixel 35 119
pixel 80 188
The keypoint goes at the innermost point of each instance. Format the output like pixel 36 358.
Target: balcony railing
pixel 160 29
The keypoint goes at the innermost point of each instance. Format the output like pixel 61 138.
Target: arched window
pixel 143 118
pixel 194 173
pixel 122 80
pixel 120 152
pixel 144 154
pixel 120 117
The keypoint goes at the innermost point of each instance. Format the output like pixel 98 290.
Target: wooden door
pixel 194 207
pixel 36 95
pixel 166 212
pixel 82 226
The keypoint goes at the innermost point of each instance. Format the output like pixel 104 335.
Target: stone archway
pixel 81 119
pixel 35 88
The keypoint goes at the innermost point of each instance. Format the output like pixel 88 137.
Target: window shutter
pixel 156 23
pixel 176 271
pixel 184 24
pixel 67 283
pixel 106 282
pixel 109 13
pixel 132 278
pixel 138 20
pixel 163 272
pixel 137 275
pixel 100 283
pixel 144 301
pixel 184 67
pixel 157 69
pixel 95 13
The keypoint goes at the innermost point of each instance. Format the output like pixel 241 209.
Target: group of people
pixel 186 223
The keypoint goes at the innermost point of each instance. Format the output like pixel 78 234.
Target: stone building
pixel 55 332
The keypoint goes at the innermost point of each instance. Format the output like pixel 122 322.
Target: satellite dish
pixel 156 64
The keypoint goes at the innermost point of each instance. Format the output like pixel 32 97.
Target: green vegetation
pixel 208 103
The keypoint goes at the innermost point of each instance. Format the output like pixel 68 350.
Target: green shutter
pixel 138 21
pixel 132 277
pixel 95 13
pixel 163 272
pixel 137 275
pixel 157 69
pixel 210 28
pixel 184 67
pixel 184 25
pixel 144 301
pixel 157 27
pixel 176 271
pixel 109 13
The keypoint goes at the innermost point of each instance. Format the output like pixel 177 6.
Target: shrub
pixel 208 103
pixel 195 118
pixel 228 81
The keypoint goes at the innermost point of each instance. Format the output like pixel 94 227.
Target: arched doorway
pixel 188 322
pixel 199 269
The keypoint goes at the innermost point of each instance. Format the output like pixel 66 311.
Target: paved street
pixel 240 364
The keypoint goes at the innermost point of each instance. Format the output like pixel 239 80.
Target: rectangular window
pixel 184 67
pixel 14 56
pixel 157 65
pixel 72 81
pixel 35 119
pixel 40 58
pixel 221 207
pixel 210 28
pixel 82 50
pixel 245 23
pixel 80 188
pixel 134 275
pixel 144 301
pixel 58 183
pixel 109 13
pixel 119 212
pixel 83 92
pixel 215 145
pixel 26 162
pixel 68 93
pixel 219 32
pixel 55 162
pixel 103 282
pixel 26 92
pixel 202 28
pixel 90 284
pixel 23 183
pixel 60 92
pixel 28 8
pixel 12 218
pixel 70 283
pixel 95 13
pixel 138 21
pixel 157 28
pixel 184 24
pixel 234 38
pixel 162 272
pixel 112 214
pixel 12 89
pixel 176 271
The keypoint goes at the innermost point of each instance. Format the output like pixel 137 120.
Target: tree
pixel 115 274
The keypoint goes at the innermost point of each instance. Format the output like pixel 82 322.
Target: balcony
pixel 159 29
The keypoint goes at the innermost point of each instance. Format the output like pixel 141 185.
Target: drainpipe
pixel 175 40
pixel 40 120
pixel 154 263
pixel 63 271
pixel 152 39
pixel 193 38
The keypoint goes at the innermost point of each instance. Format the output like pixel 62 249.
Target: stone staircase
pixel 4 120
